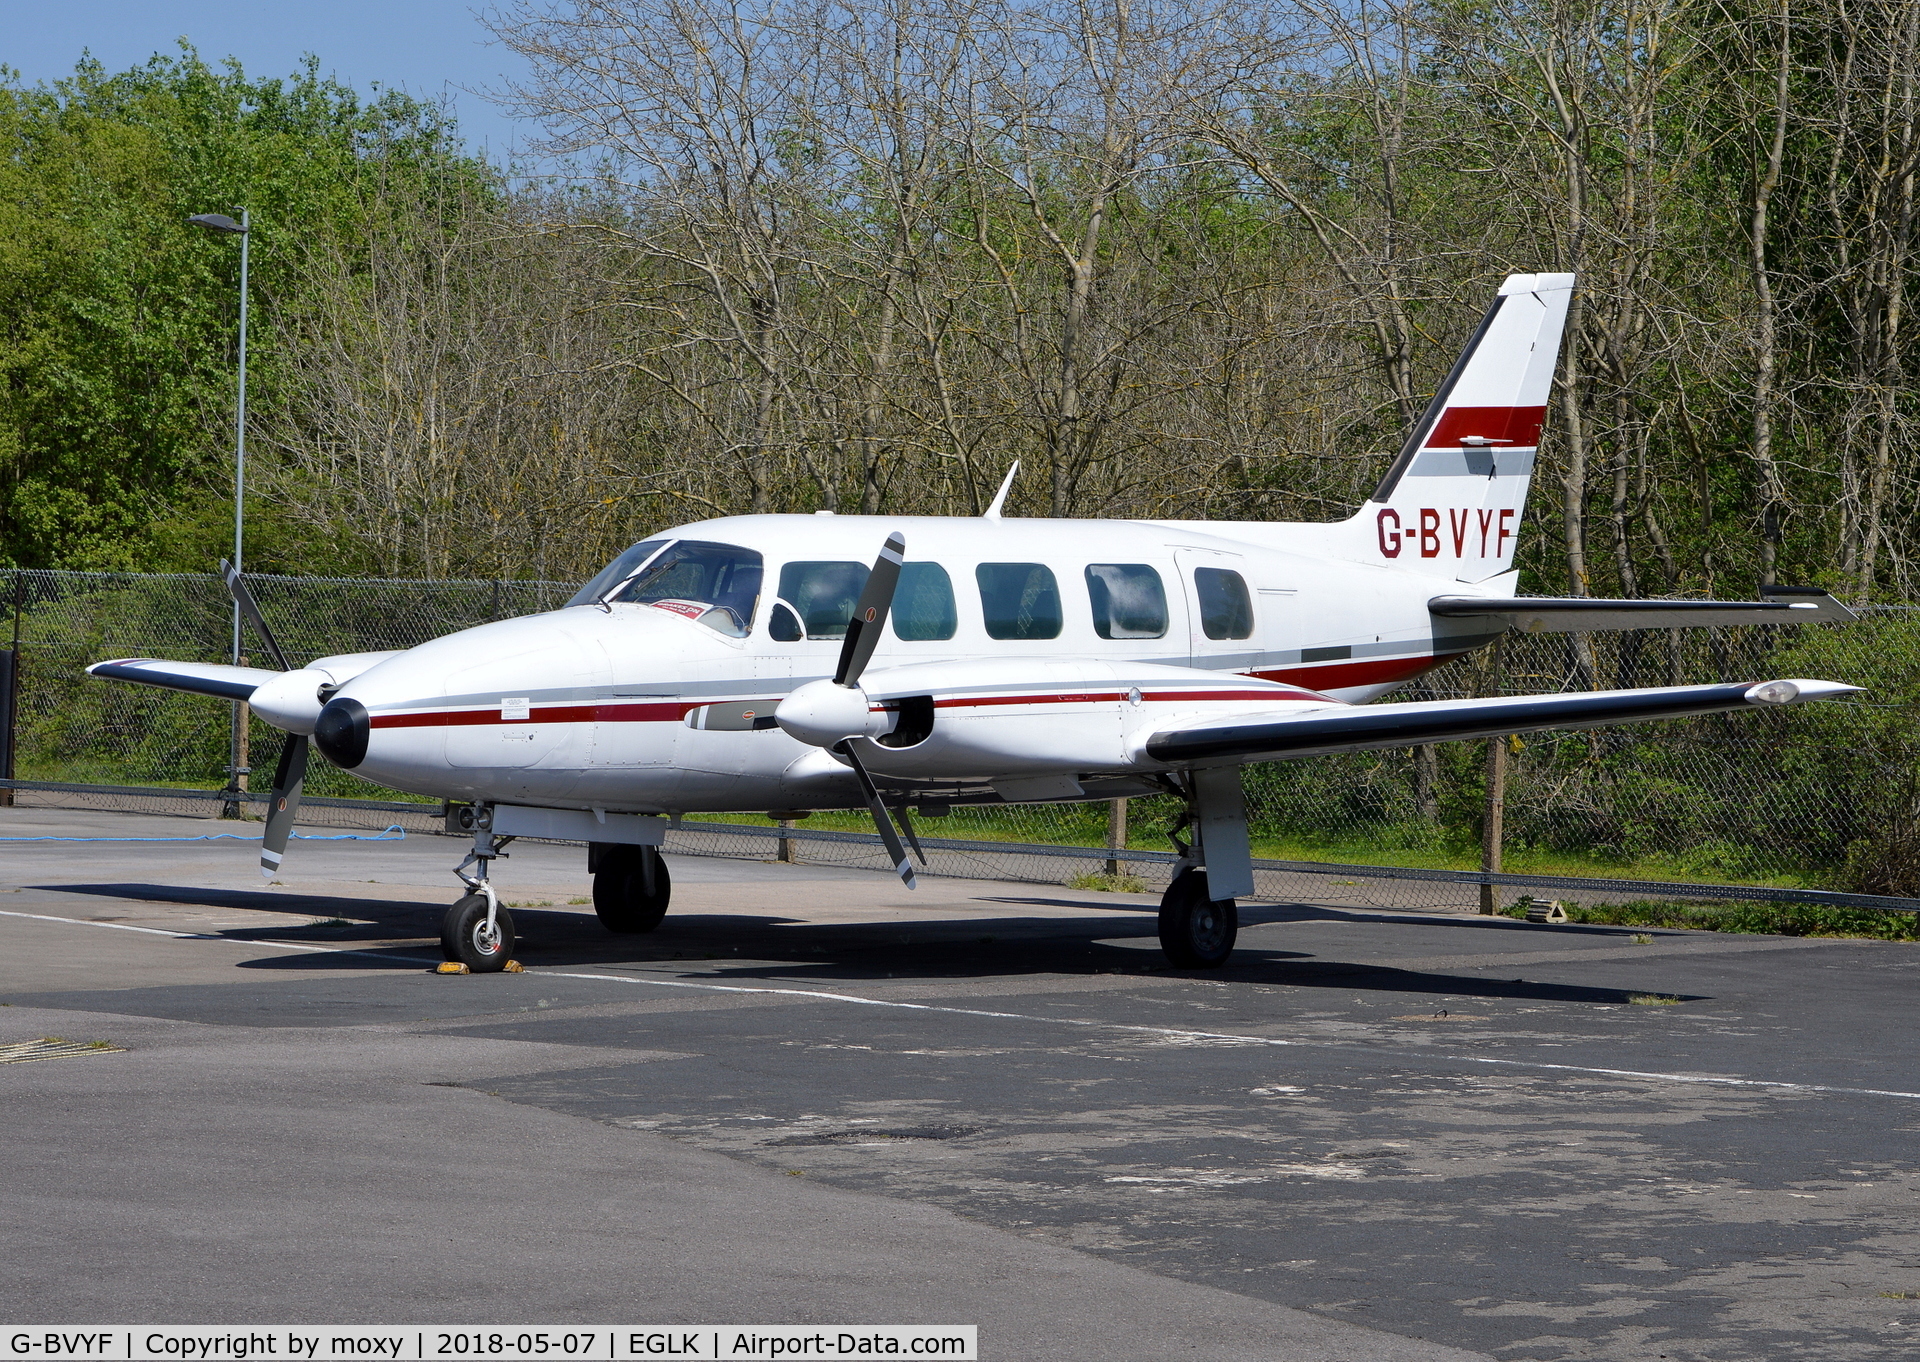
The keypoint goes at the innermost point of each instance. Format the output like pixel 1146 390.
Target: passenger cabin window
pixel 617 572
pixel 1020 600
pixel 1226 610
pixel 923 603
pixel 717 584
pixel 824 594
pixel 1128 600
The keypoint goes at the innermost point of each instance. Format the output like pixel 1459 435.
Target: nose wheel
pixel 478 934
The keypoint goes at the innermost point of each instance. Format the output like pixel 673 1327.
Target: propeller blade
pixel 288 777
pixel 881 820
pixel 906 826
pixel 244 599
pixel 870 614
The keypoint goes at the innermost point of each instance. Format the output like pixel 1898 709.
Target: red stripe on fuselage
pixel 672 711
pixel 1304 683
pixel 1108 697
pixel 1339 675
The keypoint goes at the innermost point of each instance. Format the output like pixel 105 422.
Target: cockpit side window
pixel 824 594
pixel 617 572
pixel 717 584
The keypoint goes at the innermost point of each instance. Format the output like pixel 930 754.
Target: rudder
pixel 1452 502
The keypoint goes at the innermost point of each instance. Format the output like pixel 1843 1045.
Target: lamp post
pixel 237 769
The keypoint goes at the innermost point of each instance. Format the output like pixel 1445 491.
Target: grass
pixel 1770 919
pixel 1414 846
pixel 1109 884
pixel 1653 999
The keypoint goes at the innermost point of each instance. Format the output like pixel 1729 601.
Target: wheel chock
pixel 451 967
pixel 513 967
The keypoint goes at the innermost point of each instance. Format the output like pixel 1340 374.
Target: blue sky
pixel 428 48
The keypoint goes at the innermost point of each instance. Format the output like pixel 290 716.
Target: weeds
pixel 1109 884
pixel 1769 919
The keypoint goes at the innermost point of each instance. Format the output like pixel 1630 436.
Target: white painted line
pixel 215 936
pixel 1228 1037
pixel 1236 1038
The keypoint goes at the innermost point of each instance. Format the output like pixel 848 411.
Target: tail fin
pixel 1452 502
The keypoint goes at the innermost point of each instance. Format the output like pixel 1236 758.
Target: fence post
pixel 1494 816
pixel 1116 832
pixel 786 842
pixel 10 687
pixel 1493 828
pixel 7 711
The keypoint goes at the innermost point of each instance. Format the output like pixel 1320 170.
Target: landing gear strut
pixel 631 887
pixel 1199 920
pixel 477 932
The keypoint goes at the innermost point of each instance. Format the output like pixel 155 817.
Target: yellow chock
pixel 451 967
pixel 513 967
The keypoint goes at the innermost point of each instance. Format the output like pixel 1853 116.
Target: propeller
pixel 291 772
pixel 831 714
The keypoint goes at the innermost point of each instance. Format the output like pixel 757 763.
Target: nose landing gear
pixel 477 932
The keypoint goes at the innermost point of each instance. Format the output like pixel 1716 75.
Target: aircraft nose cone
pixel 341 732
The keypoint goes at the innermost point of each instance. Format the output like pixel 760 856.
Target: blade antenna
pixel 1000 498
pixel 881 821
pixel 237 588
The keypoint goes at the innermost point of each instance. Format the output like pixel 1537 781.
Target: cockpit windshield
pixel 617 572
pixel 717 584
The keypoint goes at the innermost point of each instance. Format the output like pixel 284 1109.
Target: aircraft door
pixel 1222 609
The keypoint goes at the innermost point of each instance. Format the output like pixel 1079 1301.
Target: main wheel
pixel 1196 930
pixel 465 939
pixel 620 896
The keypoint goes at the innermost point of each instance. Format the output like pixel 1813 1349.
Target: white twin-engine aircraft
pixel 757 663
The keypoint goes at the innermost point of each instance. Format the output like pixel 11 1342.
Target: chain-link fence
pixel 1817 796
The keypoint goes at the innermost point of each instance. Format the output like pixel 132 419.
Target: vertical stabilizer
pixel 1451 504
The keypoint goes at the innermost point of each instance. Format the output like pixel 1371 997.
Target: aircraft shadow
pixel 773 949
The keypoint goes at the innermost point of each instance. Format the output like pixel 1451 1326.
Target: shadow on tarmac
pixel 394 934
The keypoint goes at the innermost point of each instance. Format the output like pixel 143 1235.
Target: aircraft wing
pixel 1577 614
pixel 199 678
pixel 1316 731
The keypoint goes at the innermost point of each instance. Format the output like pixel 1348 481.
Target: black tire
pixel 1196 931
pixel 620 896
pixel 464 939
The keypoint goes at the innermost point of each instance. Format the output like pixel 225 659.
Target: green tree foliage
pixel 118 321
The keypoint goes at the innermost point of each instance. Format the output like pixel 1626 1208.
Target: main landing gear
pixel 1197 931
pixel 631 886
pixel 1199 919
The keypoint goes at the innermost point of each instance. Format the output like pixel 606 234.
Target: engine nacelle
pixel 981 720
pixel 292 701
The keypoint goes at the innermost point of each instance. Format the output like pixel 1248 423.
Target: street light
pixel 236 747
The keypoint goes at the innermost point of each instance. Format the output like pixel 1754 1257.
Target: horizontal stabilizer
pixel 1580 614
pixel 198 678
pixel 1315 732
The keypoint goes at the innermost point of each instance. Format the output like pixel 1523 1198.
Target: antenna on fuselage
pixel 1000 499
